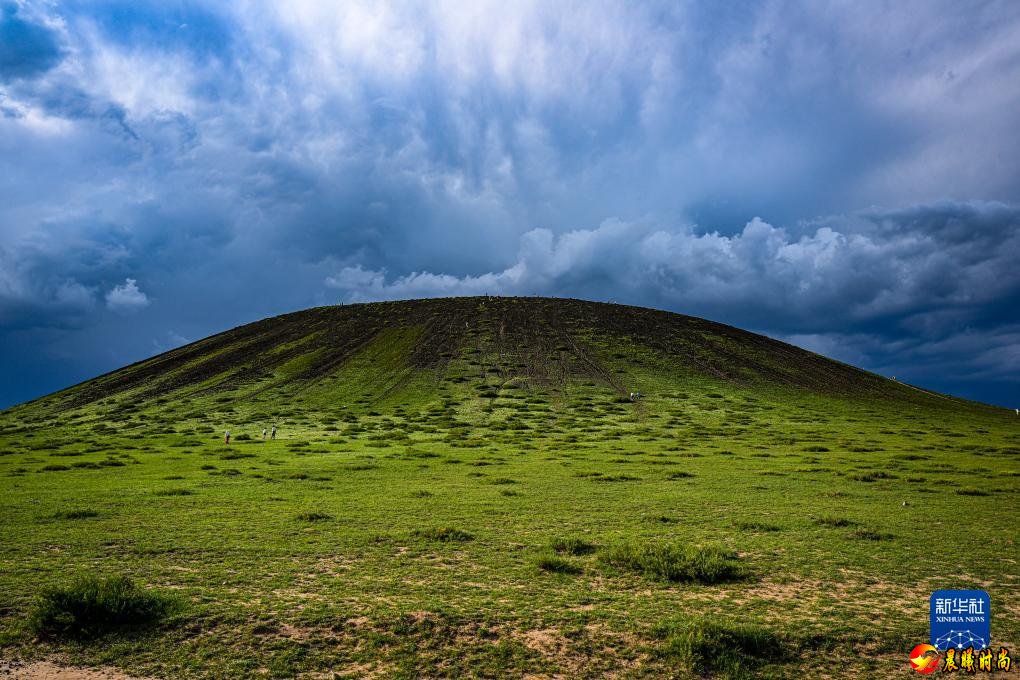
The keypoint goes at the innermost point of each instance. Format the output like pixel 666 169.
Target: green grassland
pixel 465 488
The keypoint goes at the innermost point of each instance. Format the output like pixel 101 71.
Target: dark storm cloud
pixel 169 170
pixel 910 270
pixel 27 49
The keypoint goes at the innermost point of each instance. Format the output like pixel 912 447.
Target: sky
pixel 844 176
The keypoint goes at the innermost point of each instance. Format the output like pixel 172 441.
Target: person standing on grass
pixel 273 436
pixel 226 437
pixel 263 433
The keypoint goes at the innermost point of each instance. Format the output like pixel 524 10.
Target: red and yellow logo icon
pixel 924 659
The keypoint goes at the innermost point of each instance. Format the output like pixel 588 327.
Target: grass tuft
pixel 557 565
pixel 872 476
pixel 92 606
pixel 314 517
pixel 835 522
pixel 571 545
pixel 757 526
pixel 676 562
pixel 714 648
pixel 444 534
pixel 77 513
pixel 173 492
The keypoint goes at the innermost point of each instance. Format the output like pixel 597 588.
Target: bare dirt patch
pixel 48 670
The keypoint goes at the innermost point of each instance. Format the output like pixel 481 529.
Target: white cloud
pixel 127 297
pixel 908 269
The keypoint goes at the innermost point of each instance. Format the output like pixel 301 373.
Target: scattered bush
pixel 971 492
pixel 676 562
pixel 92 606
pixel 679 475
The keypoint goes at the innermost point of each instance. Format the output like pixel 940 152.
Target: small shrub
pixel 971 492
pixel 53 467
pixel 573 546
pixel 502 480
pixel 92 606
pixel 444 534
pixel 676 562
pixel 557 565
pixel 719 648
pixel 421 494
pixel 816 449
pixel 679 475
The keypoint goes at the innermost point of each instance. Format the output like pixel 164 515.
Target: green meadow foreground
pixel 465 487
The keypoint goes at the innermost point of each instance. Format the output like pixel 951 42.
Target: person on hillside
pixel 273 436
pixel 263 433
pixel 226 437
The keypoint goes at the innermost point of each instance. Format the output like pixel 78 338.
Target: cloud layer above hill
pixel 168 170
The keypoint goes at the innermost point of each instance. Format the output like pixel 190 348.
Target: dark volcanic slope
pixel 541 342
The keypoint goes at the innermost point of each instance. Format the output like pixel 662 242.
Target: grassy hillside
pixel 464 487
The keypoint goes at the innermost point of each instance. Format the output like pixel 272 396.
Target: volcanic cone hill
pixel 373 355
